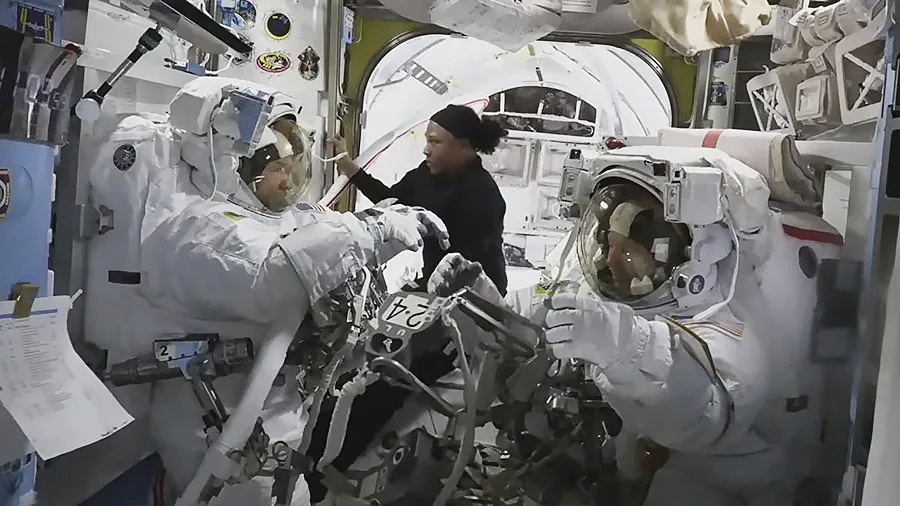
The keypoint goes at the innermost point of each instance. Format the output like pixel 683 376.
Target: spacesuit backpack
pixel 132 175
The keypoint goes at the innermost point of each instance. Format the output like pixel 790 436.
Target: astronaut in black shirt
pixel 451 183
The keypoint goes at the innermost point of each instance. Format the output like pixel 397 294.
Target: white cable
pixel 467 444
pixel 332 159
pixel 212 162
pixel 318 398
pixel 340 418
pixel 223 69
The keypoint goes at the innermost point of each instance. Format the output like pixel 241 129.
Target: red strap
pixel 711 139
pixel 813 235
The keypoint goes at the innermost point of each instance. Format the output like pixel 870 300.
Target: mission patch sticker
pixel 278 25
pixel 274 62
pixel 309 63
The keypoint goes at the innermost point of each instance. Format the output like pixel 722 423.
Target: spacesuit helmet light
pixel 626 248
pixel 279 171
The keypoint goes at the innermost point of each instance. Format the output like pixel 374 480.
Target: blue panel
pixel 24 257
pixel 41 19
pixel 17 479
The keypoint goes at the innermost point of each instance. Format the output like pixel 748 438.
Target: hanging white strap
pixel 703 315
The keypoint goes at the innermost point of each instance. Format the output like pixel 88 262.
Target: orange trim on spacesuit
pixel 804 234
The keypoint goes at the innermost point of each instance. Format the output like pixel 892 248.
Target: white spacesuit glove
pixel 454 272
pixel 598 332
pixel 429 224
pixel 397 228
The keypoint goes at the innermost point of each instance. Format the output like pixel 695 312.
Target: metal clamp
pixel 24 295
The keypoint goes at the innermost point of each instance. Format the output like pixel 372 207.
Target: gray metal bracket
pixel 839 282
pixel 94 221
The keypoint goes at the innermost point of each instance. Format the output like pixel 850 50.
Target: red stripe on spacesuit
pixel 813 235
pixel 711 139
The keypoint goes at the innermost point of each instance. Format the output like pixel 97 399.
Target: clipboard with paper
pixel 54 398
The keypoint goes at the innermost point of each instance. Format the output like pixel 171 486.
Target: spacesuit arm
pixel 215 264
pixel 684 387
pixel 692 388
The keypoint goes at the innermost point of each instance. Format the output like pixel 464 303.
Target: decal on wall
pixel 5 192
pixel 278 25
pixel 349 22
pixel 240 14
pixel 124 157
pixel 35 22
pixel 309 63
pixel 274 62
pixel 718 93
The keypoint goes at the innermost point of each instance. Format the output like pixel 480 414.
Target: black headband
pixel 460 121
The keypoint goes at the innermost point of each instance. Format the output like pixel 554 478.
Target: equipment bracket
pixel 93 221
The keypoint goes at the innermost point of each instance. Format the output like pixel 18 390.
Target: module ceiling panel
pixel 611 17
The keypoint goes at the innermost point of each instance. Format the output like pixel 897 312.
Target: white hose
pixel 241 422
pixel 467 445
pixel 340 417
pixel 335 191
pixel 318 398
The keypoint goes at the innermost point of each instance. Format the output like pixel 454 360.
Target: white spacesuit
pixel 207 240
pixel 696 317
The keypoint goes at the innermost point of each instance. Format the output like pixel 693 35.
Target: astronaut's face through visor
pixel 626 248
pixel 278 172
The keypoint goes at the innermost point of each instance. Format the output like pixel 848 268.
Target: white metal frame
pixel 547 197
pixel 507 146
pixel 847 52
pixel 773 103
pixel 546 153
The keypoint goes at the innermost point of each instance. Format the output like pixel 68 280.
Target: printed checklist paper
pixel 57 401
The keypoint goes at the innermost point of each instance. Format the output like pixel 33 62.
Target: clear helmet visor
pixel 625 247
pixel 280 170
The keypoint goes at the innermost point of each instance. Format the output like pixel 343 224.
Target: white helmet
pixel 627 250
pixel 269 180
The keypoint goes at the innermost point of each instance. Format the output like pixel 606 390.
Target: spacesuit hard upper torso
pixel 759 442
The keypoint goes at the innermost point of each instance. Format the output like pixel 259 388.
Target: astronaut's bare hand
pixel 345 164
pixel 338 144
pixel 452 274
